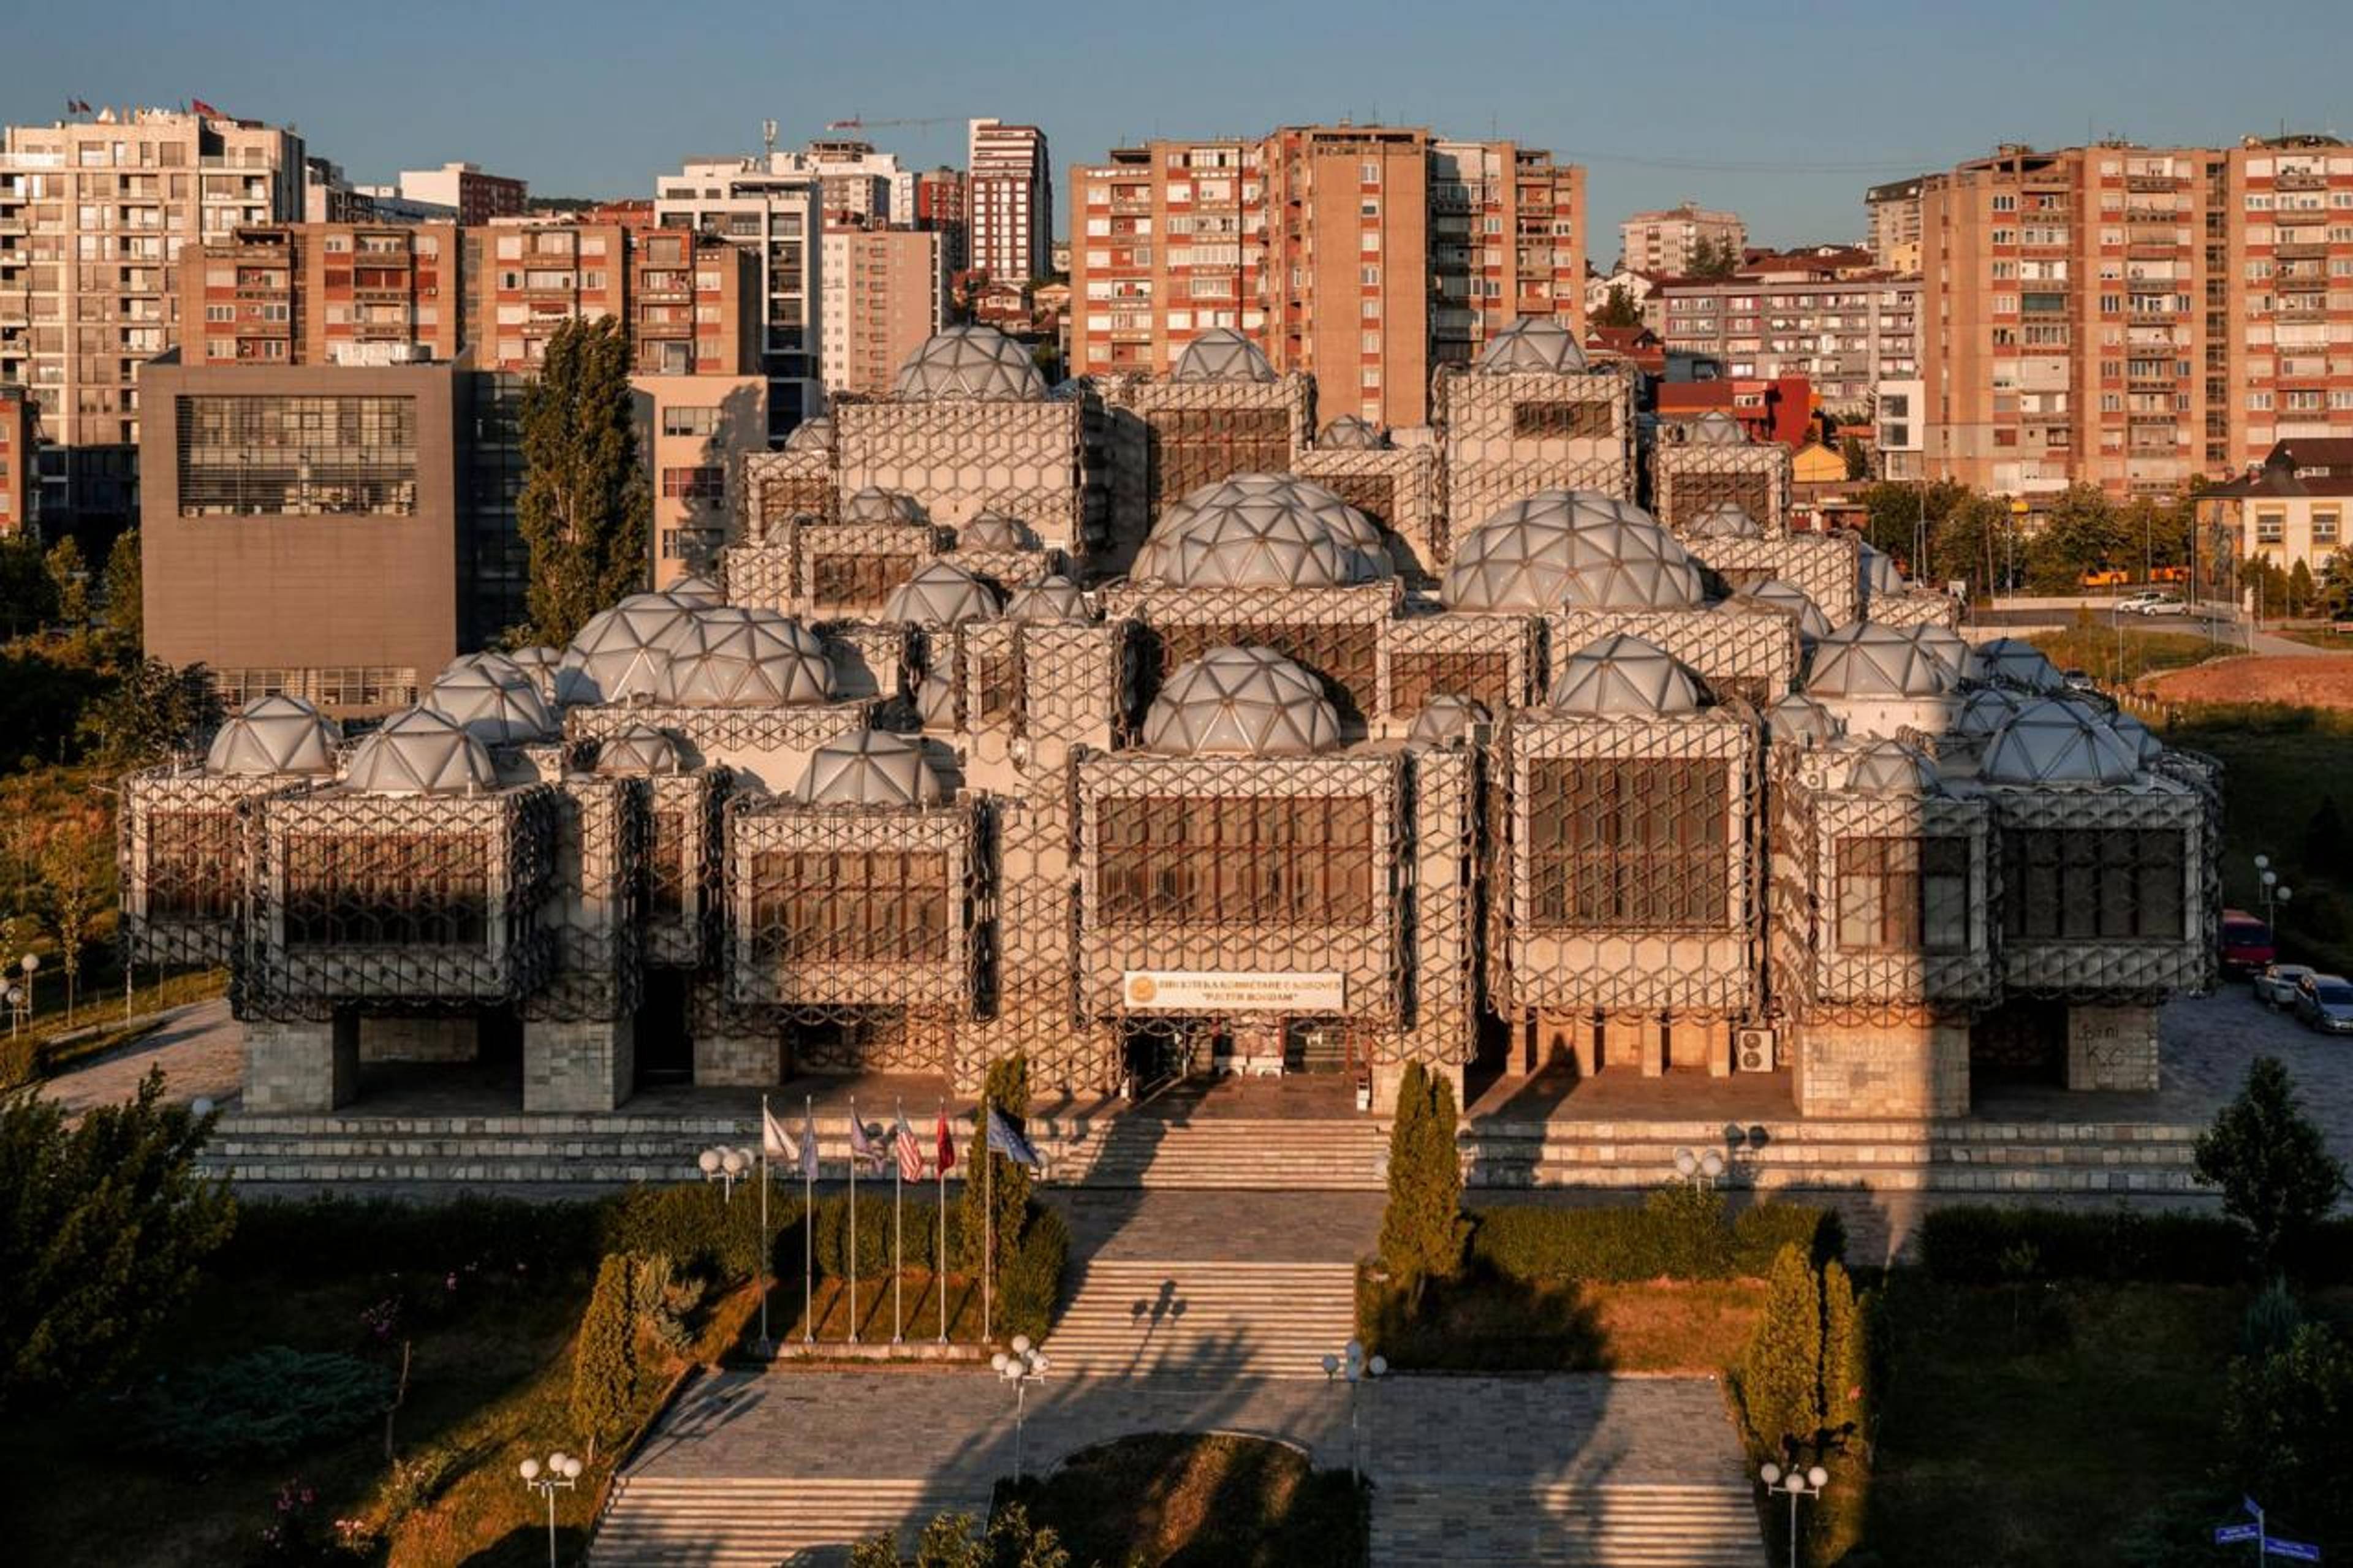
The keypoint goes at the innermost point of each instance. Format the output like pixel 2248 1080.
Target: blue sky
pixel 1783 112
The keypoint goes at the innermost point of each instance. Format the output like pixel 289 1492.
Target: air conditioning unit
pixel 1752 1051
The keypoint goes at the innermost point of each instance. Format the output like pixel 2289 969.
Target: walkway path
pixel 199 1047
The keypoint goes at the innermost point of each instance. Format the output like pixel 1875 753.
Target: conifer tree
pixel 604 1359
pixel 586 511
pixel 1780 1377
pixel 1422 1228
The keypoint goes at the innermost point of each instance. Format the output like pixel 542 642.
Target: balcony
pixel 2299 180
pixel 2300 250
pixel 2299 217
pixel 2151 182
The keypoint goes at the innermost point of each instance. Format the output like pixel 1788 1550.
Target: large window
pixel 1539 420
pixel 1628 846
pixel 871 906
pixel 1180 860
pixel 843 580
pixel 270 456
pixel 386 891
pixel 2092 884
pixel 1903 895
pixel 191 865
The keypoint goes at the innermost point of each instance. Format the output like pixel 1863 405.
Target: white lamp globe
pixel 530 1469
pixel 1712 1163
pixel 997 1362
pixel 202 1106
pixel 709 1160
pixel 1380 1366
pixel 1039 1362
pixel 1021 1345
pixel 1771 1475
pixel 1685 1161
pixel 572 1468
pixel 1330 1364
pixel 557 1460
pixel 2263 862
pixel 1817 1478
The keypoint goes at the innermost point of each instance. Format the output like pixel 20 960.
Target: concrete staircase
pixel 1146 1150
pixel 1211 1320
pixel 1476 1522
pixel 656 1521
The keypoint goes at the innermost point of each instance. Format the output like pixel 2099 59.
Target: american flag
pixel 911 1153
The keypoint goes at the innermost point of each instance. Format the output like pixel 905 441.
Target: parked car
pixel 2079 681
pixel 2245 943
pixel 2275 986
pixel 2161 604
pixel 2325 1001
pixel 2133 602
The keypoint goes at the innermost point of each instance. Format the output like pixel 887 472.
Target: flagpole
pixel 898 1224
pixel 987 1222
pixel 768 1262
pixel 808 1219
pixel 857 1136
pixel 941 1283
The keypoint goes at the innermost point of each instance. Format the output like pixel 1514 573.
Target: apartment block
pixel 943 204
pixel 93 214
pixel 2290 511
pixel 1363 255
pixel 886 292
pixel 1846 336
pixel 1670 241
pixel 696 431
pixel 2286 369
pixel 854 180
pixel 1892 224
pixel 776 217
pixel 470 194
pixel 335 293
pixel 20 479
pixel 1010 200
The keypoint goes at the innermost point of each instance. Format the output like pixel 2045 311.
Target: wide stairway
pixel 1135 1318
pixel 1144 1149
pixel 1472 1522
pixel 654 1522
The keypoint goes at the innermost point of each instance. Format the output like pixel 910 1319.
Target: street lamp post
pixel 1798 1483
pixel 1700 1169
pixel 15 1009
pixel 559 1474
pixel 1353 1366
pixel 724 1166
pixel 2274 893
pixel 1018 1367
pixel 30 963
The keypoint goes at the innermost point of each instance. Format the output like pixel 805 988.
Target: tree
pixel 2300 589
pixel 1779 1379
pixel 125 615
pixel 105 1229
pixel 1714 259
pixel 71 577
pixel 1422 1228
pixel 604 1357
pixel 2335 591
pixel 586 511
pixel 28 594
pixel 2324 840
pixel 2288 1430
pixel 998 1207
pixel 2082 532
pixel 1846 1354
pixel 153 711
pixel 1858 461
pixel 72 885
pixel 1619 309
pixel 2276 1174
pixel 1009 1540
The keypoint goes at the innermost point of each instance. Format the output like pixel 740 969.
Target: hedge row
pixel 332 1236
pixel 1992 1244
pixel 1677 1233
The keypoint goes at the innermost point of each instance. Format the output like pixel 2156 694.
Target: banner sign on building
pixel 1233 991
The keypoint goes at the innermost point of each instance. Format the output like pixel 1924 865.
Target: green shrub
pixel 703 1232
pixel 333 1237
pixel 1029 1285
pixel 1762 1230
pixel 2271 1164
pixel 1988 1245
pixel 604 1358
pixel 2287 1431
pixel 1006 1185
pixel 1422 1227
pixel 2271 1322
pixel 1779 1380
pixel 1674 1234
pixel 921 1234
pixel 263 1404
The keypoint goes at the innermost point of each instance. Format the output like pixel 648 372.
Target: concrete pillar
pixel 1652 1033
pixel 1585 1040
pixel 2112 1048
pixel 589 1065
pixel 753 1059
pixel 301 1067
pixel 1717 1035
pixel 1882 1069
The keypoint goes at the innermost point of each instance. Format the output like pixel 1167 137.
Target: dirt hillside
pixel 2319 680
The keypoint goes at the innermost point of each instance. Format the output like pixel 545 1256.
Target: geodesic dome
pixel 970 365
pixel 696 589
pixel 421 751
pixel 1876 573
pixel 619 652
pixel 1222 354
pixel 1891 767
pixel 639 750
pixel 500 664
pixel 1985 711
pixel 996 530
pixel 725 656
pixel 1866 659
pixel 1798 719
pixel 2138 736
pixel 1616 675
pixel 1811 621
pixel 1715 428
pixel 1240 701
pixel 1725 520
pixel 274 735
pixel 1537 343
pixel 1445 718
pixel 870 504
pixel 1049 601
pixel 1350 434
pixel 1525 558
pixel 811 435
pixel 941 595
pixel 871 767
pixel 934 698
pixel 539 665
pixel 1951 649
pixel 2047 743
pixel 2015 662
pixel 497 703
pixel 1263 531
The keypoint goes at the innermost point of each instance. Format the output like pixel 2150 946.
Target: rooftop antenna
pixel 768 137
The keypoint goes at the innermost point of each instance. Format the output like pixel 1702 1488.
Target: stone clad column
pixel 584 1065
pixel 302 1066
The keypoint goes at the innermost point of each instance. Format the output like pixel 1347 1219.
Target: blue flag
pixel 1008 1141
pixel 808 1144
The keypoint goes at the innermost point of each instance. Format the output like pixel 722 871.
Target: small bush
pixel 263 1404
pixel 1985 1245
pixel 1675 1234
pixel 921 1234
pixel 1029 1284
pixel 604 1358
pixel 1422 1228
pixel 705 1232
pixel 1761 1230
pixel 2271 1322
pixel 327 1237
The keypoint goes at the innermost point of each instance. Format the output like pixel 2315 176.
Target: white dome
pixel 1537 344
pixel 637 750
pixel 274 735
pixel 2017 663
pixel 1798 719
pixel 868 504
pixel 1949 647
pixel 2048 743
pixel 1049 601
pixel 1811 621
pixel 697 590
pixel 503 666
pixel 970 365
pixel 1985 711
pixel 941 595
pixel 996 530
pixel 2138 736
pixel 1725 520
pixel 871 767
pixel 539 665
pixel 1240 701
pixel 1891 767
pixel 497 703
pixel 811 435
pixel 1563 547
pixel 725 656
pixel 1263 531
pixel 421 752
pixel 1444 717
pixel 1866 659
pixel 1614 676
pixel 1876 572
pixel 619 653
pixel 1222 354
pixel 1350 434
pixel 1715 428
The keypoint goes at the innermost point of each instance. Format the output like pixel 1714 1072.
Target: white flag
pixel 775 1142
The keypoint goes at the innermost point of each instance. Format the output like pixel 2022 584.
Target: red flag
pixel 947 1146
pixel 201 106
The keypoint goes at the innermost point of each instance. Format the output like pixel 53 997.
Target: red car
pixel 2246 942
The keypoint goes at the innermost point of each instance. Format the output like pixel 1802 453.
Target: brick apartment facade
pixel 20 482
pixel 1845 335
pixel 1009 201
pixel 886 292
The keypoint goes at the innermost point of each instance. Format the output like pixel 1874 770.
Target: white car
pixel 2136 603
pixel 2161 604
pixel 2275 982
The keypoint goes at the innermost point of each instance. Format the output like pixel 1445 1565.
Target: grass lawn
pixel 920 1304
pixel 1495 1324
pixel 2095 648
pixel 1206 1502
pixel 2336 639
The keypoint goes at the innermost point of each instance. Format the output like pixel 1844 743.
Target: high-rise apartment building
pixel 943 204
pixel 778 218
pixel 1670 241
pixel 1365 255
pixel 470 194
pixel 1892 224
pixel 1009 195
pixel 92 217
pixel 885 293
pixel 854 180
pixel 1845 335
pixel 326 293
pixel 20 481
pixel 2285 371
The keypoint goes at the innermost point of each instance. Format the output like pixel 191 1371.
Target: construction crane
pixel 855 123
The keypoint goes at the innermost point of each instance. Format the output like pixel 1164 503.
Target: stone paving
pixel 200 1049
pixel 1190 1226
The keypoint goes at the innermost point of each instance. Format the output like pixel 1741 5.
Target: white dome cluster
pixel 1866 659
pixel 1573 548
pixel 1222 354
pixel 870 768
pixel 970 365
pixel 1240 701
pixel 274 735
pixel 1532 343
pixel 421 751
pixel 1620 675
pixel 1263 531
